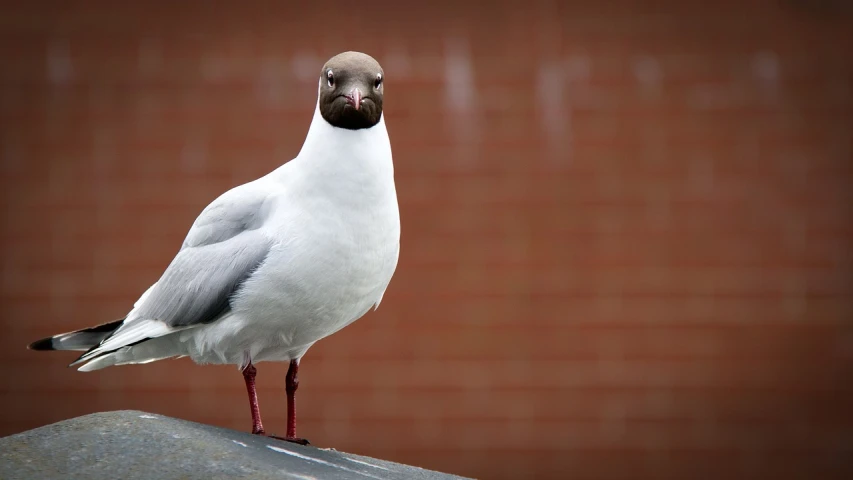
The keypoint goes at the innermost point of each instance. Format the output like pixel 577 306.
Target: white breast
pixel 336 228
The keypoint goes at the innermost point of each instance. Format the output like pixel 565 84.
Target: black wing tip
pixel 41 345
pixel 49 344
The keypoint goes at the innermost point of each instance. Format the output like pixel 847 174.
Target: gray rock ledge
pixel 129 444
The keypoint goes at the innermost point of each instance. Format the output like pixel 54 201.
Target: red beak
pixel 354 98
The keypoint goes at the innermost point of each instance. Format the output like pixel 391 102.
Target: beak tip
pixel 354 98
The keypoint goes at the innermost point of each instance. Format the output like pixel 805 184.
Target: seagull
pixel 274 265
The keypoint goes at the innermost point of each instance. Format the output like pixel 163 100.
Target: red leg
pixel 290 385
pixel 249 375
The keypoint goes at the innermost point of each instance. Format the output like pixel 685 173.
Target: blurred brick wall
pixel 626 231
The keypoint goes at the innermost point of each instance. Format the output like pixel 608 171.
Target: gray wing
pixel 197 285
pixel 221 250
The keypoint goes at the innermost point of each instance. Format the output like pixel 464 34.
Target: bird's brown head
pixel 351 91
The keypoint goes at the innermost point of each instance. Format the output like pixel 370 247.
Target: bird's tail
pixel 81 340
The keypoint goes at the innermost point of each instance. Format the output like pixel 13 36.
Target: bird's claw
pixel 300 441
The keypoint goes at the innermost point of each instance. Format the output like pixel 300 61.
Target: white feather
pixel 144 296
pixel 129 334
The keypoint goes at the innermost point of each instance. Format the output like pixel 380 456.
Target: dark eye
pixel 378 81
pixel 330 78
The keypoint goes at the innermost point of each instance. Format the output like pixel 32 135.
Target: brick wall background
pixel 626 230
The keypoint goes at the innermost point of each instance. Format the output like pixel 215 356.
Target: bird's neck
pixel 336 154
pixel 350 167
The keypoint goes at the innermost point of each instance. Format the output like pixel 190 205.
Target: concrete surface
pixel 137 445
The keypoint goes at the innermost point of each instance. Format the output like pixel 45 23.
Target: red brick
pixel 663 292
